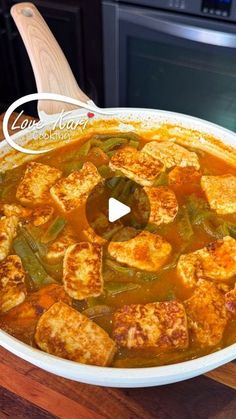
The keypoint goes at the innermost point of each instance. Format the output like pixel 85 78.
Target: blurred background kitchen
pixel 176 55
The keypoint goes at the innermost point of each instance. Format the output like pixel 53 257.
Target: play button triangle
pixel 117 210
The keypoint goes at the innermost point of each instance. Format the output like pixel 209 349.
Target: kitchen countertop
pixel 27 391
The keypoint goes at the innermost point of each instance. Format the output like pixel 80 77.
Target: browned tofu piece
pixel 207 315
pixel 136 165
pixel 162 201
pixel 18 210
pixel 38 216
pixel 41 215
pixel 90 235
pixel 82 270
pixel 12 283
pixel 220 192
pixel 146 251
pixel 34 187
pixel 8 229
pixel 184 175
pixel 171 154
pixel 189 269
pixel 71 192
pixel 21 320
pixel 65 332
pixel 57 249
pixel 230 301
pixel 161 325
pixel 216 261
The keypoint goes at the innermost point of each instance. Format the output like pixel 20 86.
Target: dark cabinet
pixel 76 24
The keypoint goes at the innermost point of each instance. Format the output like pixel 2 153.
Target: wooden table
pixel 27 391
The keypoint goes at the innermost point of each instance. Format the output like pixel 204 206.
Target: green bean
pixel 31 263
pixel 223 230
pixel 210 229
pixel 111 183
pixel 72 166
pixel 111 153
pixel 162 180
pixel 83 150
pixel 55 270
pixel 6 190
pixel 119 188
pixel 105 171
pixel 119 268
pixel 147 276
pixel 173 263
pixel 184 224
pixel 110 144
pixel 54 229
pixel 232 230
pixel 198 209
pixel 114 288
pixel 32 242
pixel 152 228
pixel 79 305
pixel 126 192
pixel 134 143
pixel 170 296
pixel 128 135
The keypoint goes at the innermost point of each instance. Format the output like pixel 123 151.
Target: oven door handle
pixel 181 30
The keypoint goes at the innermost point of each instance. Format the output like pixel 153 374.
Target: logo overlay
pixel 66 120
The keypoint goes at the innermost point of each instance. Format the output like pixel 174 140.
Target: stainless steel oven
pixel 177 55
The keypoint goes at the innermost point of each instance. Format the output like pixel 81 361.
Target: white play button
pixel 117 210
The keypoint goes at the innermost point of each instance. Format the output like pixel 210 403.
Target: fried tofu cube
pixel 90 235
pixel 57 249
pixel 220 192
pixel 163 205
pixel 136 165
pixel 65 332
pixel 12 283
pixel 8 229
pixel 34 187
pixel 171 154
pixel 71 192
pixel 146 251
pixel 216 261
pixel 38 216
pixel 10 210
pixel 207 314
pixel 161 325
pixel 41 215
pixel 21 320
pixel 230 301
pixel 184 175
pixel 189 269
pixel 82 270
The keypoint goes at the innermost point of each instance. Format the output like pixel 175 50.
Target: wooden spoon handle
pixel 51 69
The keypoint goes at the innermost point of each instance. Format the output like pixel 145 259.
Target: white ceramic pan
pixel 53 74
